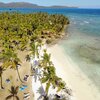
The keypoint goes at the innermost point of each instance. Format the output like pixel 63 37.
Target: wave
pixel 86 22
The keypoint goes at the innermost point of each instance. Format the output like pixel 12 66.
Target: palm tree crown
pixel 13 93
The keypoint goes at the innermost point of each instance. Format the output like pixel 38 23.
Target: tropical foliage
pixel 20 32
pixel 27 27
pixel 49 74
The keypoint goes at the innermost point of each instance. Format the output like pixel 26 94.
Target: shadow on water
pixel 89 53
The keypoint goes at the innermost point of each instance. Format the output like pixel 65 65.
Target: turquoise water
pixel 83 44
pixel 83 41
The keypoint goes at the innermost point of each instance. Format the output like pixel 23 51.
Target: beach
pixel 82 88
pixel 11 74
pixel 76 58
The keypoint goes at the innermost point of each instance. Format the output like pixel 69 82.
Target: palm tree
pixel 48 77
pixel 32 48
pixel 1 72
pixel 10 60
pixel 34 45
pixel 13 93
pixel 16 64
pixel 49 74
pixel 46 59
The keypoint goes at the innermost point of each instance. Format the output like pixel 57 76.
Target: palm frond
pixel 12 88
pixel 8 97
pixel 27 57
pixel 44 79
pixel 47 87
pixel 17 97
pixel 16 89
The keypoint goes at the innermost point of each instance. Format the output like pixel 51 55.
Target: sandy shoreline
pixel 14 80
pixel 82 87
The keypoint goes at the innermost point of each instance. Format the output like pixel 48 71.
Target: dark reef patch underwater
pixel 91 54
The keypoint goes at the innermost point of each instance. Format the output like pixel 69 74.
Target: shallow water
pixel 83 44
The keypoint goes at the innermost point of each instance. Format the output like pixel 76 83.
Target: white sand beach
pixel 82 87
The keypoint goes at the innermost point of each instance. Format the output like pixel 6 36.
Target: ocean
pixel 82 42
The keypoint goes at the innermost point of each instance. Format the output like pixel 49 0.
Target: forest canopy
pixel 30 26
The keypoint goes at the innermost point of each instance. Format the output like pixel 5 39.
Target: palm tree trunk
pixel 13 97
pixel 1 82
pixel 19 74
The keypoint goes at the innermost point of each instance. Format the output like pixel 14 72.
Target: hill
pixel 28 5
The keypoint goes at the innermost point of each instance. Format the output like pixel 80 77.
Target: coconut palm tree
pixel 49 74
pixel 34 45
pixel 48 77
pixel 46 59
pixel 15 65
pixel 10 60
pixel 13 93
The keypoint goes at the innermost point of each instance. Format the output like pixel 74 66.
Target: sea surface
pixel 82 43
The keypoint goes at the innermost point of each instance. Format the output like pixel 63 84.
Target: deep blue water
pixel 83 43
pixel 50 10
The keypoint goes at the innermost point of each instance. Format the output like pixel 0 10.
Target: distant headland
pixel 29 5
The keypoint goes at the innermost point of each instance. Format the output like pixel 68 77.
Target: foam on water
pixel 86 22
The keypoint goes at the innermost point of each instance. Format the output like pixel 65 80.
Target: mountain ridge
pixel 29 5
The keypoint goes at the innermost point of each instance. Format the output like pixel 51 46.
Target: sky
pixel 79 3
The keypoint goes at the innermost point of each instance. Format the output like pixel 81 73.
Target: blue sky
pixel 79 3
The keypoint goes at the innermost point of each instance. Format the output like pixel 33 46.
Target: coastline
pixel 63 34
pixel 82 87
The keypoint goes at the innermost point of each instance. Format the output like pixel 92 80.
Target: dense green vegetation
pixel 21 32
pixel 33 26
